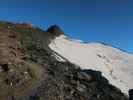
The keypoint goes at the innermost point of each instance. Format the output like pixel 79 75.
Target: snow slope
pixel 116 65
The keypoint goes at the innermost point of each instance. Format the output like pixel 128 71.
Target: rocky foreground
pixel 30 71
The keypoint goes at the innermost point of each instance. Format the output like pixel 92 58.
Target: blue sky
pixel 109 21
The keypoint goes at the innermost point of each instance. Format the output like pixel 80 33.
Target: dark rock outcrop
pixel 131 94
pixel 55 30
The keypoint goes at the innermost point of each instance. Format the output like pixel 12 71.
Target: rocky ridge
pixel 30 71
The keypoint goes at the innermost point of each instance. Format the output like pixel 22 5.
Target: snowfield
pixel 116 65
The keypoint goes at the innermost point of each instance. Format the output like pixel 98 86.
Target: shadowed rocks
pixel 55 30
pixel 131 94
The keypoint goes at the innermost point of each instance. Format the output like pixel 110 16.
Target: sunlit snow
pixel 116 65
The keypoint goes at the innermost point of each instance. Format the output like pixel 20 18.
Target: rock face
pixel 55 29
pixel 30 71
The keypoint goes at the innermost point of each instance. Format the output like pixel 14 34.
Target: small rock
pixel 84 76
pixel 81 88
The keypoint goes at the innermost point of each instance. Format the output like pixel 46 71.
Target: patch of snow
pixel 116 65
pixel 76 40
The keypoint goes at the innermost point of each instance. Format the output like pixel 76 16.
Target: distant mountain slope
pixel 30 70
pixel 116 65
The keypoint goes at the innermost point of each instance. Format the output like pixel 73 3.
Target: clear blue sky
pixel 109 21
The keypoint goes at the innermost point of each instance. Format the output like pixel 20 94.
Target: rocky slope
pixel 29 69
pixel 115 64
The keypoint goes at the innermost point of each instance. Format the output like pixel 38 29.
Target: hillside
pixel 31 70
pixel 115 64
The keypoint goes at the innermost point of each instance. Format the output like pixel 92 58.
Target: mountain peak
pixel 55 29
